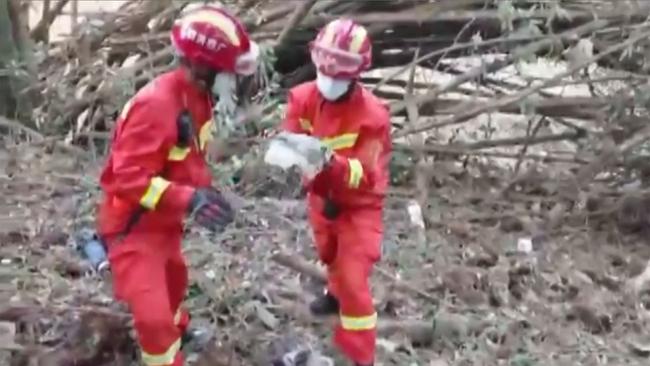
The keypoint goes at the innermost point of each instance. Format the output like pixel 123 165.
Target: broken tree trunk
pixel 16 62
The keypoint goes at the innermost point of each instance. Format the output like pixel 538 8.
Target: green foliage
pixel 506 12
pixel 522 359
pixel 266 79
pixel 520 19
pixel 559 12
pixel 526 108
pixel 124 89
pixel 400 167
pixel 194 290
pixel 14 66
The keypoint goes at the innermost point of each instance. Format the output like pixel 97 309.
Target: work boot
pixel 325 304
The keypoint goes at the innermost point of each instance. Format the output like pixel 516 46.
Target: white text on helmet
pixel 190 34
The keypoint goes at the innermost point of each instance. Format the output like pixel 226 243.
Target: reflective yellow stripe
pixel 178 153
pixel 344 141
pixel 356 173
pixel 155 190
pixel 177 316
pixel 358 36
pixel 359 322
pixel 166 358
pixel 205 134
pixel 305 124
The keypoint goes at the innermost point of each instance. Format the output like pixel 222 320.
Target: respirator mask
pixel 331 88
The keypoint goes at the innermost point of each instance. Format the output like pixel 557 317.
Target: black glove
pixel 210 210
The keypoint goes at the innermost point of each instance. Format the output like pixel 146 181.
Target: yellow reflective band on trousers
pixel 356 173
pixel 178 153
pixel 154 192
pixel 359 322
pixel 161 359
pixel 347 140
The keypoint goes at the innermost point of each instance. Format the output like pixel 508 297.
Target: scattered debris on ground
pixel 515 227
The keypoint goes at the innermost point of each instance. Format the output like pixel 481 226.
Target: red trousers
pixel 150 275
pixel 350 245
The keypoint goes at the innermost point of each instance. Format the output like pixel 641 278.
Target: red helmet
pixel 342 49
pixel 210 36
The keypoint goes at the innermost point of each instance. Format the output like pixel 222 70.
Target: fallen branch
pixel 514 56
pixel 527 140
pixel 555 106
pixel 508 100
pixel 450 150
pixel 455 47
pixel 300 265
pixel 297 16
pixel 418 331
pixel 15 125
pixel 15 312
pixel 610 155
pixel 422 15
pixel 531 132
pixel 41 31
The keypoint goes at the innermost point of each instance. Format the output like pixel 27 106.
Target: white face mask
pixel 330 88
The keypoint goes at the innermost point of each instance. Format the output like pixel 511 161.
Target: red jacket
pixel 149 173
pixel 358 130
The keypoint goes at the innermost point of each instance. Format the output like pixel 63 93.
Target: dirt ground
pixel 466 293
pixel 484 283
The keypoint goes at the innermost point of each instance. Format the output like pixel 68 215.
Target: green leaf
pixel 193 291
pixel 522 360
pixel 506 13
pixel 269 320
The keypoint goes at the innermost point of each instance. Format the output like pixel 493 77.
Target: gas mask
pixel 331 88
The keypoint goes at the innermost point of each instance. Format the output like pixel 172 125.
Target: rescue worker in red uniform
pixel 346 197
pixel 156 176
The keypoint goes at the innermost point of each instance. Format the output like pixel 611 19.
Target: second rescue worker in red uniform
pixel 156 175
pixel 346 198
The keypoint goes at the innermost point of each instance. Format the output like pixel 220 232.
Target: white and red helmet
pixel 210 36
pixel 342 49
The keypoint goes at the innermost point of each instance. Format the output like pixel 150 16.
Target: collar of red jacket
pixel 185 85
pixel 356 95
